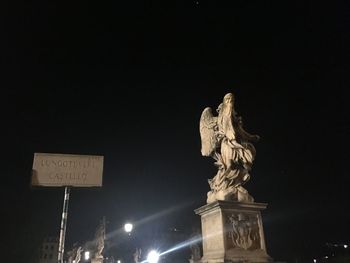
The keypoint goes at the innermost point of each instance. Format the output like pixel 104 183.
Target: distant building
pixel 49 250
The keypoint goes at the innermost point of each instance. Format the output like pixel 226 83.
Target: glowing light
pixel 182 245
pixel 87 255
pixel 150 218
pixel 345 246
pixel 119 261
pixel 153 256
pixel 315 260
pixel 128 227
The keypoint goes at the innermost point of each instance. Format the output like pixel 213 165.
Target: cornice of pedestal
pixel 227 205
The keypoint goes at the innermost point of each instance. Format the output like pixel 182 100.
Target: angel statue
pixel 75 254
pixel 100 237
pixel 224 139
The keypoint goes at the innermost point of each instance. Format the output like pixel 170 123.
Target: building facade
pixel 49 250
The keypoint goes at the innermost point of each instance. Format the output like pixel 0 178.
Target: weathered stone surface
pixel 97 260
pixel 224 139
pixel 100 237
pixel 233 232
pixel 67 170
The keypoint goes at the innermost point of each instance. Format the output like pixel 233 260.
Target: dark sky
pixel 129 81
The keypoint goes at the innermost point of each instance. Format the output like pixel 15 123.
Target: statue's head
pixel 229 98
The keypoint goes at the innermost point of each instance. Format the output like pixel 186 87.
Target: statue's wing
pixel 207 126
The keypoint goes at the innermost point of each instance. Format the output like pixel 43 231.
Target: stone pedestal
pixel 97 260
pixel 233 232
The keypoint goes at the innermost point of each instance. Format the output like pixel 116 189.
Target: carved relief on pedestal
pixel 243 231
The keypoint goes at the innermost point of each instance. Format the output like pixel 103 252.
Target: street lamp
pixel 153 256
pixel 128 228
pixel 87 255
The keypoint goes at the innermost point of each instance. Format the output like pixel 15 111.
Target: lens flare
pixel 153 256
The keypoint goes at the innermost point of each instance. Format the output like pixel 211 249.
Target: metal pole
pixel 63 224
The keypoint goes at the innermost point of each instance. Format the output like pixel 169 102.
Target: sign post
pixel 63 225
pixel 68 170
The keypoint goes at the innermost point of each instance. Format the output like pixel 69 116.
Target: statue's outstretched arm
pixel 244 134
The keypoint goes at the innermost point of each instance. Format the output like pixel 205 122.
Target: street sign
pixel 67 170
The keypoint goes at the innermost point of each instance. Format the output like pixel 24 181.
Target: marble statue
pixel 74 256
pixel 78 255
pixel 137 255
pixel 224 139
pixel 100 237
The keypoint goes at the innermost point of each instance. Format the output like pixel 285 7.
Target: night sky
pixel 129 82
